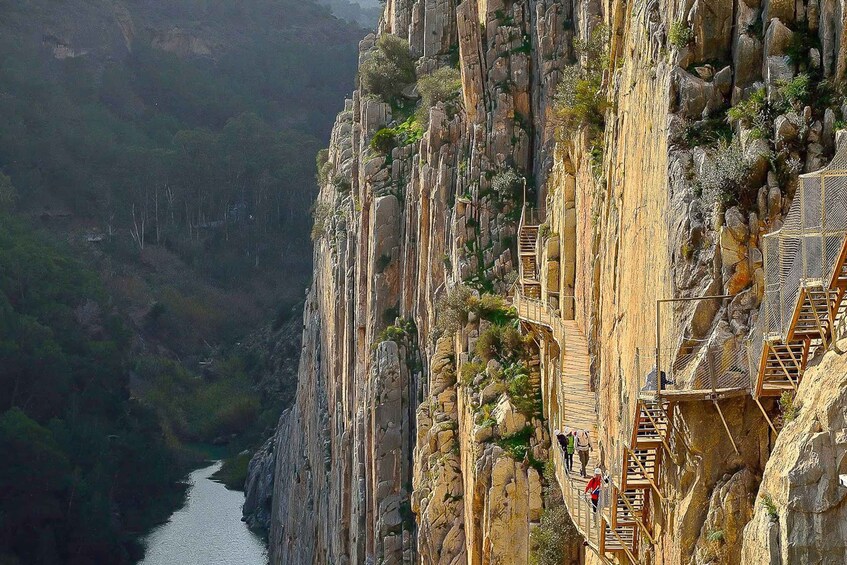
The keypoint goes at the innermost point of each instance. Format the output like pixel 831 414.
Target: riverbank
pixel 207 530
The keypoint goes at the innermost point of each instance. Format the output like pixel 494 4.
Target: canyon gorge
pixel 494 228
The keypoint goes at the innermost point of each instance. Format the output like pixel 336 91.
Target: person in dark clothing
pixel 650 385
pixel 566 442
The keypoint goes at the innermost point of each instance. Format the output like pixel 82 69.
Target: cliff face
pixel 802 515
pixel 419 440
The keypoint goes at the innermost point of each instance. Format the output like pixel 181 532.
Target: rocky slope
pixel 410 442
pixel 802 502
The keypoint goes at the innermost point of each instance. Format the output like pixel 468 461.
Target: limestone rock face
pixel 730 509
pixel 405 446
pixel 802 477
pixel 258 492
pixel 371 463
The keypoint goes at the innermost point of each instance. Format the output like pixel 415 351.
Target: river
pixel 206 531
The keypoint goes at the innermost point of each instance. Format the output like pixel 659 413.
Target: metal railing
pixel 695 366
pixel 533 216
pixel 589 522
pixel 538 312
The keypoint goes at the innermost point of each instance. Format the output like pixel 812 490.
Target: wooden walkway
pixel 605 533
pixel 803 308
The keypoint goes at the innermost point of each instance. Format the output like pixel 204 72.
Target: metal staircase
pixel 529 276
pixel 805 280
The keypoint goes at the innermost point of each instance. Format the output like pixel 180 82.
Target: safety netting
pixel 804 252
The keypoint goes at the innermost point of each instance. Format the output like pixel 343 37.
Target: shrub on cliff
pixel 451 310
pixel 384 140
pixel 387 139
pixel 680 34
pixel 554 539
pixel 388 69
pixel 503 343
pixel 580 98
pixel 321 214
pixel 443 85
pixel 793 94
pixel 323 166
pixel 727 176
pixel 506 185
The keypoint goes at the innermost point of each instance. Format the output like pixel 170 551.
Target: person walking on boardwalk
pixel 566 442
pixel 584 446
pixel 570 447
pixel 593 487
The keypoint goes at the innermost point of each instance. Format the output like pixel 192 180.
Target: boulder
pixel 734 222
pixel 697 98
pixel 706 72
pixel 733 250
pixel 493 368
pixel 814 58
pixel 785 130
pixel 758 152
pixel 712 22
pixel 830 31
pixel 815 132
pixel 782 9
pixel 815 159
pixel 808 519
pixel 774 202
pixel 777 39
pixel 481 434
pixel 828 133
pixel 746 49
pixel 723 80
pixel 491 392
pixel 509 420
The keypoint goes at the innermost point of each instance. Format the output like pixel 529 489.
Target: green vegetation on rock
pixel 388 69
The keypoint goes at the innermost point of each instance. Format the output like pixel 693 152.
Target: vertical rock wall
pixel 389 455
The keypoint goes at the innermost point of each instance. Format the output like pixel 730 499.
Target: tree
pixel 8 196
pixel 388 69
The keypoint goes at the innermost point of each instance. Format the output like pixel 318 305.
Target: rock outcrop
pixel 801 514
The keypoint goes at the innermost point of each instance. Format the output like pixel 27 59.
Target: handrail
pixel 587 521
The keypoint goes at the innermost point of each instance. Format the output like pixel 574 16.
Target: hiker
pixel 566 442
pixel 569 449
pixel 584 445
pixel 650 384
pixel 593 487
pixel 560 437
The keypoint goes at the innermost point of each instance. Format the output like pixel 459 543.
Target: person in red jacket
pixel 593 487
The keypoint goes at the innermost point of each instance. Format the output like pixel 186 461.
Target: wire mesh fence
pixel 805 251
pixel 696 365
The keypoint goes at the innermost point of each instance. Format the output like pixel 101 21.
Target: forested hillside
pixel 84 466
pixel 187 124
pixel 157 172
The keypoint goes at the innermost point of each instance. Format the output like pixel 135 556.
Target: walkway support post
pixel 765 414
pixel 726 426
